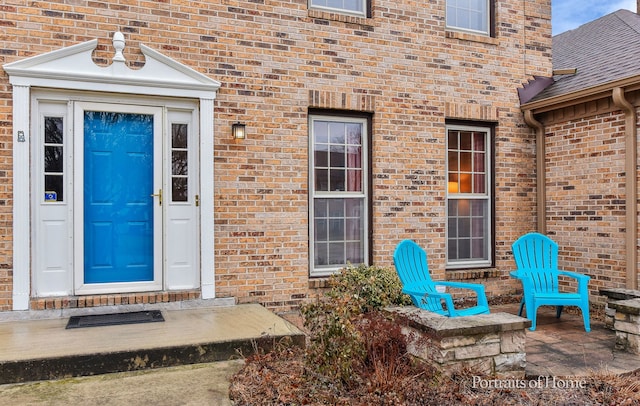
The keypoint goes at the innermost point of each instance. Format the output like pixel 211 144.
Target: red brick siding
pixel 586 193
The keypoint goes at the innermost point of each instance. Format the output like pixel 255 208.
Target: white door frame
pixel 72 68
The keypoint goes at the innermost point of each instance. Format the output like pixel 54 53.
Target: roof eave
pixel 591 93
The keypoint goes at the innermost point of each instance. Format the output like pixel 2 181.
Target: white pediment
pixel 73 68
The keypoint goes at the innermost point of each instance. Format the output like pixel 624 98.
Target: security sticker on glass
pixel 50 196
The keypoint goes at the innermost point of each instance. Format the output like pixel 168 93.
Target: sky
pixel 570 14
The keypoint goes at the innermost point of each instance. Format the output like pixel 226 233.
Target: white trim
pixel 313 194
pixel 21 206
pixel 487 196
pixel 72 68
pixel 207 263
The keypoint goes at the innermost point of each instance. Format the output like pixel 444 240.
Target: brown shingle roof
pixel 603 51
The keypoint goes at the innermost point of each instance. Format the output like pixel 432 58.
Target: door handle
pixel 158 195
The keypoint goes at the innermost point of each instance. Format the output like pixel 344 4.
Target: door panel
pixel 182 246
pixel 118 184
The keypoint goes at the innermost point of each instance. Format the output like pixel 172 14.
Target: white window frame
pixel 487 20
pixel 487 196
pixel 313 194
pixel 362 13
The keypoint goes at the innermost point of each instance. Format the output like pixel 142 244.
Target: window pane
pixel 321 230
pixel 464 248
pixel 53 159
pixel 468 14
pixel 320 208
pixel 464 208
pixel 354 181
pixel 354 157
pixel 353 229
pixel 336 229
pixel 179 163
pixel 452 249
pixel 337 156
pixel 452 139
pixel 336 181
pixel 179 189
pixel 322 180
pixel 464 227
pixel 347 5
pixel 179 136
pixel 354 252
pixel 353 208
pixel 53 130
pixel 479 183
pixel 54 183
pixel 336 133
pixel 465 140
pixel 336 208
pixel 322 157
pixel 321 254
pixel 336 254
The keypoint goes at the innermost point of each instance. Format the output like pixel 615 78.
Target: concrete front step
pixel 34 350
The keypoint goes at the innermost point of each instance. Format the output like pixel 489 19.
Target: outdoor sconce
pixel 238 131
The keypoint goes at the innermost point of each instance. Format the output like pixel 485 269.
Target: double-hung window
pixel 355 7
pixel 469 15
pixel 338 193
pixel 469 196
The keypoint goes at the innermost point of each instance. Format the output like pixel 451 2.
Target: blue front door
pixel 118 209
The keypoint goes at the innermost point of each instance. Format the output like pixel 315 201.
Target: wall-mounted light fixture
pixel 238 131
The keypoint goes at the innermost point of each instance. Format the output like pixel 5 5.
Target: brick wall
pixel 275 60
pixel 586 197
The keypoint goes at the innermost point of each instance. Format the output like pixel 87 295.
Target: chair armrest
pixel 583 280
pixel 574 275
pixel 420 292
pixel 527 282
pixel 461 285
pixel 479 289
pixel 417 291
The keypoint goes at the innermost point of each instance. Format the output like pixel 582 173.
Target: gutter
pixel 631 215
pixel 541 178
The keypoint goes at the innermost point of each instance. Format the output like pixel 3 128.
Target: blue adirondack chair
pixel 412 268
pixel 536 257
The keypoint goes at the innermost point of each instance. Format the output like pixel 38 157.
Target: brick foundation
pixel 76 302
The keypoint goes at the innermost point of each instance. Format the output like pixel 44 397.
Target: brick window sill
pixel 463 275
pixel 345 18
pixel 465 36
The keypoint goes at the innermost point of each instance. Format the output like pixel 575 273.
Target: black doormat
pixel 114 319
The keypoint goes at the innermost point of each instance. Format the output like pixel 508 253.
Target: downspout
pixel 631 156
pixel 541 177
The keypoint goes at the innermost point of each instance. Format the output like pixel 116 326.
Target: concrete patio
pixel 561 347
pixel 32 350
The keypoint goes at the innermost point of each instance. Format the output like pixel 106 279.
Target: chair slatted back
pixel 413 269
pixel 536 255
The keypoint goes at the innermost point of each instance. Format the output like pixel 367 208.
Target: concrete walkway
pixel 198 385
pixel 43 349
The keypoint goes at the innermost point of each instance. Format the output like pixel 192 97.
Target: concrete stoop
pixel 36 350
